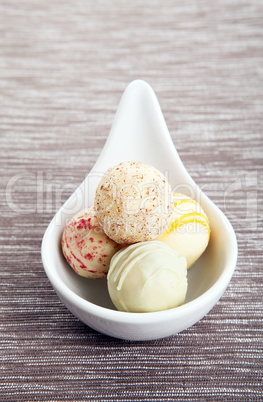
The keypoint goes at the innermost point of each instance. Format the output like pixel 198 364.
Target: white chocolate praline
pixel 147 277
pixel 133 202
pixel 87 249
pixel 189 230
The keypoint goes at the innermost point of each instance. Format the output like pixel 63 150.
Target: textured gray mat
pixel 63 69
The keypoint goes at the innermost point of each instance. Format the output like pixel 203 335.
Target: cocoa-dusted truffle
pixel 133 202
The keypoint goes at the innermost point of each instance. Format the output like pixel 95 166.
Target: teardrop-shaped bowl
pixel 139 132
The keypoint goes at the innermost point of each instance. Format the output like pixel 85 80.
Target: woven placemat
pixel 63 69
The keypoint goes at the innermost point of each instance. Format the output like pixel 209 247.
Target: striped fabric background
pixel 63 68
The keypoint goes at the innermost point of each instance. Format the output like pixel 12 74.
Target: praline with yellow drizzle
pixel 189 229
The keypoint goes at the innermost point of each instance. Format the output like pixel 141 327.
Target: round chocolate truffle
pixel 87 249
pixel 133 202
pixel 146 277
pixel 189 230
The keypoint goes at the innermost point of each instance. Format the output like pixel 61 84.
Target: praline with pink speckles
pixel 87 249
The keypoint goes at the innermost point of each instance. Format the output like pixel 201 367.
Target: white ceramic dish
pixel 139 132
